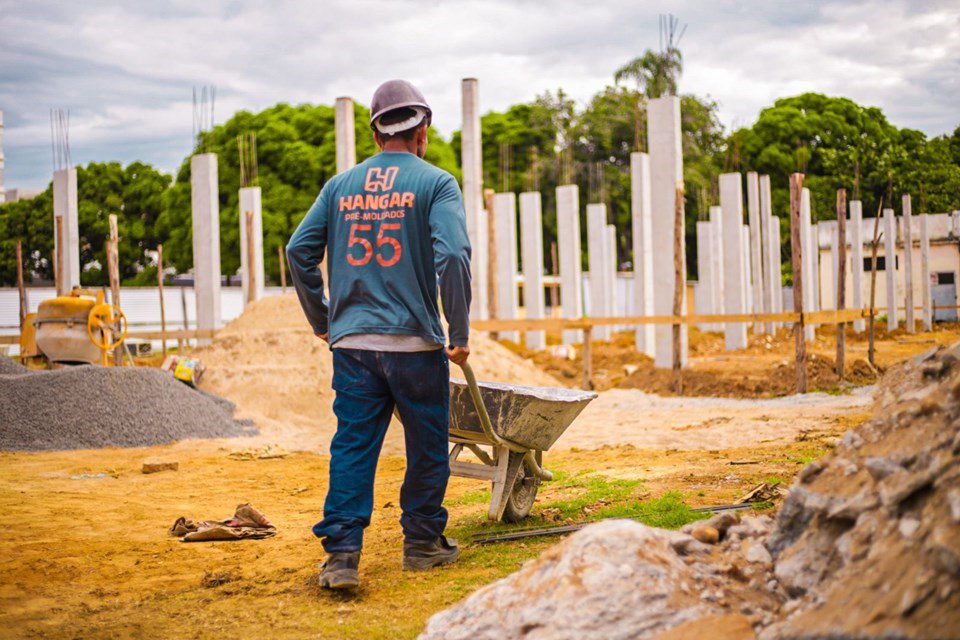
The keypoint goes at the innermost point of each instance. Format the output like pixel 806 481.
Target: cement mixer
pixel 78 328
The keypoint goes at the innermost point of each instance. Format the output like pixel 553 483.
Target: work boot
pixel 340 571
pixel 420 555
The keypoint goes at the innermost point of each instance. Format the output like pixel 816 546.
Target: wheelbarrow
pixel 508 427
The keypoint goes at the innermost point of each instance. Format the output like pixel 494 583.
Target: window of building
pixel 881 263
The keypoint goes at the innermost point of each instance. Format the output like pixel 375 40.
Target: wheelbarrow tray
pixel 533 417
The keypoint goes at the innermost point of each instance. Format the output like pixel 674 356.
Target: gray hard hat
pixel 398 94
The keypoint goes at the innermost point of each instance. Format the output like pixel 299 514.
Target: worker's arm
pixel 451 254
pixel 304 254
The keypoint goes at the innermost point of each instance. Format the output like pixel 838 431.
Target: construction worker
pixel 392 228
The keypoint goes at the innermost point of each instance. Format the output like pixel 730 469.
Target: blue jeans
pixel 368 385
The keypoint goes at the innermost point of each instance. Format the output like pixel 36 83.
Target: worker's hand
pixel 458 355
pixel 324 336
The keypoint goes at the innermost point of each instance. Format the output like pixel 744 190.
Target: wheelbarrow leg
pixel 504 477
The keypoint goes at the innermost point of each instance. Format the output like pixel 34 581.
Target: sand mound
pixel 92 407
pixel 278 373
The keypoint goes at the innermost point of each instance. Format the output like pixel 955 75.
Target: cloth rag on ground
pixel 246 523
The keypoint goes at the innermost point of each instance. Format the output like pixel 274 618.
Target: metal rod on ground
pixel 796 187
pixel 58 257
pixel 678 288
pixel 873 284
pixel 113 267
pixel 20 289
pixel 251 259
pixel 163 311
pixel 283 269
pixel 587 357
pixel 841 277
pixel 491 256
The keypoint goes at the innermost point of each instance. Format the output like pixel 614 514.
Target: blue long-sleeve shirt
pixel 391 227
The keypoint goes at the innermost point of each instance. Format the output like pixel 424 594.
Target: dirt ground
pixel 765 369
pixel 90 556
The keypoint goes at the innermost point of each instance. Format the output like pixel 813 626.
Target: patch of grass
pixel 588 490
pixel 666 512
pixel 478 496
pixel 773 480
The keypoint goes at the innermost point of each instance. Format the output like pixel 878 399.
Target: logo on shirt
pixel 380 178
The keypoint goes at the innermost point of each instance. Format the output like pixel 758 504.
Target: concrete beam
pixel 706 297
pixel 856 260
pixel 890 260
pixel 568 247
pixel 345 131
pixel 754 198
pixel 65 208
pixel 642 225
pixel 770 262
pixel 666 175
pixel 531 257
pixel 505 210
pixel 610 252
pixel 599 261
pixel 773 283
pixel 205 205
pixel 908 265
pixel 472 164
pixel 734 277
pixel 747 271
pixel 925 284
pixel 717 255
pixel 250 201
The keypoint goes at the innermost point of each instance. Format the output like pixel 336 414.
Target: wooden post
pixel 554 288
pixel 58 256
pixel 796 187
pixel 113 272
pixel 491 255
pixel 163 311
pixel 587 359
pixel 873 284
pixel 251 259
pixel 20 288
pixel 283 269
pixel 678 286
pixel 841 277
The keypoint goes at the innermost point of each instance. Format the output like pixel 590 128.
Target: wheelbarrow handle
pixel 528 456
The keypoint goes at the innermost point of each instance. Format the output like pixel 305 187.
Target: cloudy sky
pixel 126 69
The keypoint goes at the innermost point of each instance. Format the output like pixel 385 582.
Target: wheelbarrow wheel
pixel 524 492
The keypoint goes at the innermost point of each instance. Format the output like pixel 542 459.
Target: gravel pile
pixel 88 407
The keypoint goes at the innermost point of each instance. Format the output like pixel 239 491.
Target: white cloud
pixel 126 70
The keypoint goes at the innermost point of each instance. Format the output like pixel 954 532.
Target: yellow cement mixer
pixel 79 328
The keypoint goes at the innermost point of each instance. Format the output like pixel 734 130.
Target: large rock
pixel 613 580
pixel 866 544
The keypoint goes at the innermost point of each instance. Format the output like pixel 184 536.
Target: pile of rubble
pixel 866 545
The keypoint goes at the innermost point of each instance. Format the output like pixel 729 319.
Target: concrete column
pixel 705 296
pixel 756 246
pixel 716 270
pixel 505 209
pixel 747 271
pixel 908 264
pixel 610 253
pixel 925 291
pixel 250 201
pixel 890 260
pixel 831 290
pixel 345 134
pixel 472 164
pixel 531 256
pixel 773 283
pixel 642 223
pixel 809 256
pixel 817 266
pixel 65 208
pixel 856 260
pixel 568 248
pixel 771 277
pixel 599 267
pixel 734 289
pixel 3 193
pixel 666 174
pixel 205 204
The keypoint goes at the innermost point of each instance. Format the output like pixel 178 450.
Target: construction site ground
pixel 88 555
